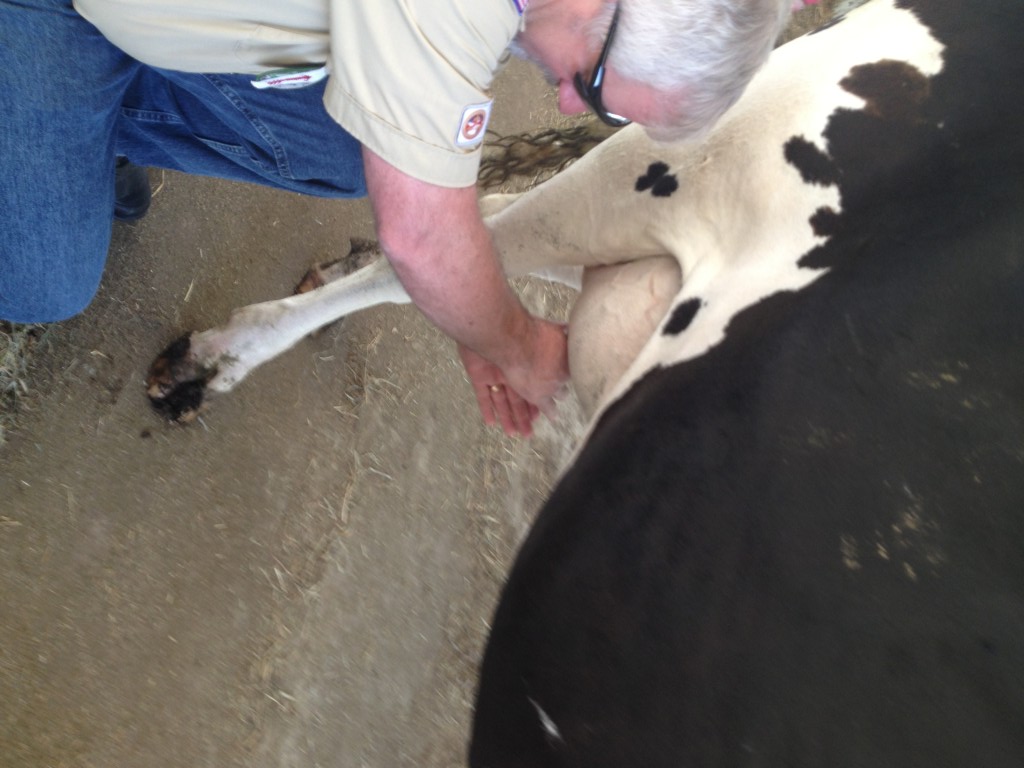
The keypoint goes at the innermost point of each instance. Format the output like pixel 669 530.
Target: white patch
pixel 741 227
pixel 546 722
pixel 473 125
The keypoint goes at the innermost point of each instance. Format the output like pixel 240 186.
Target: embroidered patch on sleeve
pixel 473 125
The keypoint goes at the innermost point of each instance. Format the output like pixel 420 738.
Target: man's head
pixel 674 66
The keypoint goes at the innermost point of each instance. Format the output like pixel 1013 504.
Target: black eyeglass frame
pixel 591 92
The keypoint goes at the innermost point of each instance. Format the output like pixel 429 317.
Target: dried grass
pixel 16 344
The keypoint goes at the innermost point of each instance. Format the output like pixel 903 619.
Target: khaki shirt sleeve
pixel 235 36
pixel 406 74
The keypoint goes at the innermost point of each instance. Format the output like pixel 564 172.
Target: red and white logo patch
pixel 473 125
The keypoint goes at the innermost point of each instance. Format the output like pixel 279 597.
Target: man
pixel 394 105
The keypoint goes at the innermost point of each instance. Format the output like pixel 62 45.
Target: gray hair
pixel 700 53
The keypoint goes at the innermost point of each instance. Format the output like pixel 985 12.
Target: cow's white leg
pixel 491 205
pixel 259 332
pixel 217 359
pixel 588 215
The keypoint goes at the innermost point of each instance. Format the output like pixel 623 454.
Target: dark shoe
pixel 131 191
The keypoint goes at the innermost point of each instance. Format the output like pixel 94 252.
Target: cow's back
pixel 804 547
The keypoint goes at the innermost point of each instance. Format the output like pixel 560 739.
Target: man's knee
pixel 55 285
pixel 43 306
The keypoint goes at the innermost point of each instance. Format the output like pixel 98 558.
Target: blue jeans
pixel 70 102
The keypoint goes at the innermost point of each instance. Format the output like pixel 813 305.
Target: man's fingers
pixel 513 413
pixel 502 409
pixel 483 400
pixel 523 414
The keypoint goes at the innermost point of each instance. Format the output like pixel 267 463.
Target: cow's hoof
pixel 176 383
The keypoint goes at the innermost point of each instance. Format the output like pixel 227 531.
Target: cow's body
pixel 796 538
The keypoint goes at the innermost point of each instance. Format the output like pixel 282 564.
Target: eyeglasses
pixel 591 92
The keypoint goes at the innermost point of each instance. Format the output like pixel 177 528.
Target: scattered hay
pixel 16 343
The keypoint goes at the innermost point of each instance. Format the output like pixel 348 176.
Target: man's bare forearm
pixel 443 254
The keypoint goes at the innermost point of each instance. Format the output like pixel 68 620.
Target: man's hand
pixel 443 254
pixel 515 405
pixel 499 403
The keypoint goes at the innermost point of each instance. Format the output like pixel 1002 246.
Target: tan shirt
pixel 409 78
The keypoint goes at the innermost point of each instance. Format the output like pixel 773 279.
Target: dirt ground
pixel 303 578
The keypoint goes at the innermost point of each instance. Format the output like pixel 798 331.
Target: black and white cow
pixel 796 538
pixel 795 533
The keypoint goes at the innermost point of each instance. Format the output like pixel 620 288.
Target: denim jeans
pixel 70 101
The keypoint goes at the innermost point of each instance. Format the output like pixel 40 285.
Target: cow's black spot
pixel 665 186
pixel 658 180
pixel 682 316
pixel 654 172
pixel 814 165
pixel 900 661
pixel 892 90
pixel 825 222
